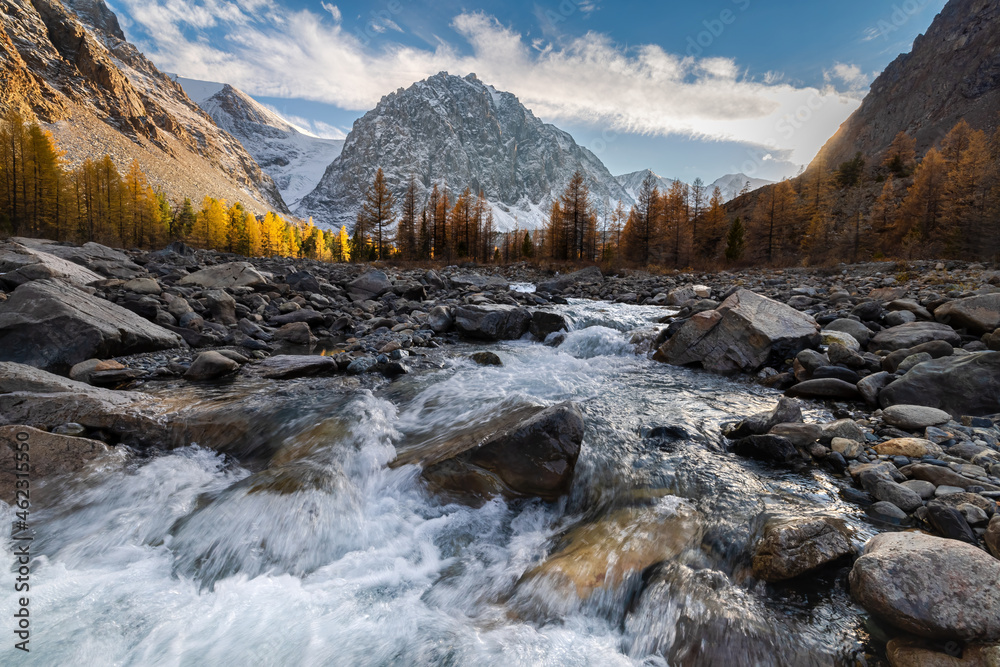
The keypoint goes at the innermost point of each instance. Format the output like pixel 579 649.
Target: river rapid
pixel 332 556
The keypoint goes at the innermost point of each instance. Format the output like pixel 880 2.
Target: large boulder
pixel 531 457
pixel 745 333
pixel 792 547
pixel 222 276
pixel 47 454
pixel 912 334
pixel 930 586
pixel 54 326
pixel 979 314
pixel 20 264
pixel 587 276
pixel 479 282
pixel 965 385
pixel 370 285
pixel 492 322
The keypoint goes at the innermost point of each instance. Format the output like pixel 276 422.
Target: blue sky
pixel 686 89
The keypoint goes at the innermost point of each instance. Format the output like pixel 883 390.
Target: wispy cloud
pixel 850 76
pixel 279 52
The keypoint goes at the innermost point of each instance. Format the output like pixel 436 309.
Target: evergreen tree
pixel 735 242
pixel 376 215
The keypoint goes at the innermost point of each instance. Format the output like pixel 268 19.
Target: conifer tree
pixel 376 215
pixel 735 241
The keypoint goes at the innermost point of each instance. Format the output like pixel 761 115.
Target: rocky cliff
pixel 68 65
pixel 953 72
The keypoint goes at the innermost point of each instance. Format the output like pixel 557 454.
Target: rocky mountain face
pixel 953 72
pixel 732 184
pixel 294 159
pixel 463 133
pixel 70 66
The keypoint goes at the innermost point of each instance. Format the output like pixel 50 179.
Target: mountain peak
pixel 464 132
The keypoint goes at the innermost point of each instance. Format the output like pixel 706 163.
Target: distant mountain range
pixel 730 185
pixel 295 159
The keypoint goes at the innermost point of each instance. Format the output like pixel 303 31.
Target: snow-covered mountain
pixel 294 158
pixel 732 184
pixel 461 133
pixel 632 182
pixel 68 64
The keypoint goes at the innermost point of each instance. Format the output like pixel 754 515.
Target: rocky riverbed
pixel 831 426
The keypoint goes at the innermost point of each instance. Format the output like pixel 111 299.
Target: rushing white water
pixel 331 557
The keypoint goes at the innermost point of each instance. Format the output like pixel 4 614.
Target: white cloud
pixel 587 79
pixel 333 9
pixel 849 75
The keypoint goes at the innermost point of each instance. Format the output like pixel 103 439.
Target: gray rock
pixel 897 494
pixel 49 454
pixel 930 586
pixel 209 366
pixel 765 448
pixel 54 326
pixel 912 361
pixel 992 536
pixel 370 285
pixel 842 428
pixel 222 306
pixel 915 333
pixel 143 286
pixel 914 417
pixel 825 388
pixel 492 322
pixel 588 276
pixel 287 367
pixel 800 435
pixel 898 317
pixel 871 385
pixel 950 522
pixel 979 314
pixel 966 385
pixel 857 330
pixel 486 359
pixel 440 319
pixel 544 323
pixel 791 548
pixel 745 333
pixel 296 333
pixel 35 263
pixel 480 282
pixel 923 489
pixel 886 513
pixel 222 276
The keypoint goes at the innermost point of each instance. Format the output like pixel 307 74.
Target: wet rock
pixel 913 448
pixel 825 388
pixel 486 359
pixel 912 652
pixel 966 385
pixel 793 547
pixel 914 417
pixel 209 366
pixel 55 326
pixel 915 333
pixel 296 333
pixel 361 365
pixel 48 454
pixel 770 448
pixel 930 586
pixel 534 457
pixel 800 435
pixel 32 396
pixel 745 333
pixel 544 323
pixel 602 555
pixel 492 323
pixel 287 367
pixel 786 411
pixel 979 314
pixel 222 276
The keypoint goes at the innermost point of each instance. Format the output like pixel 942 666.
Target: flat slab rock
pixel 966 385
pixel 55 326
pixel 232 274
pixel 913 417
